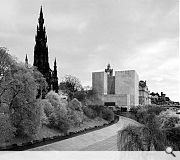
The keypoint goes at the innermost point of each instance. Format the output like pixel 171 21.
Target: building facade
pixel 144 94
pixel 41 59
pixel 120 89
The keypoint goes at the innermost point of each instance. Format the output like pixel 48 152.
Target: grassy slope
pixel 49 132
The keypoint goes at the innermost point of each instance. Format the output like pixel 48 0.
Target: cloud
pixel 86 35
pixel 69 22
pixel 158 64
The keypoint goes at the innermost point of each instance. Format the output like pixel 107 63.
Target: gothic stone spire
pixel 55 68
pixel 55 78
pixel 41 59
pixel 26 62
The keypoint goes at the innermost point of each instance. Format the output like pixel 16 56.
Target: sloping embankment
pixel 84 140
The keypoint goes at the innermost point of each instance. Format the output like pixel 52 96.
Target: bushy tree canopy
pixel 70 85
pixel 18 90
pixel 7 131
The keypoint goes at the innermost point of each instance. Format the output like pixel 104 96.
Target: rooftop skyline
pixel 86 35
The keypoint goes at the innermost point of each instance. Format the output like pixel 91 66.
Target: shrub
pixel 76 117
pixel 46 107
pixel 80 95
pixel 27 119
pixel 4 108
pixel 44 119
pixel 123 109
pixel 75 105
pixel 169 122
pixel 107 114
pixel 168 119
pixel 173 135
pixel 27 127
pixel 140 116
pixel 7 131
pixel 56 100
pixel 53 98
pixel 142 112
pixel 52 120
pixel 154 109
pixel 90 113
pixel 59 122
pixel 97 108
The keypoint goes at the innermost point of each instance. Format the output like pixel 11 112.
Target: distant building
pixel 155 98
pixel 144 93
pixel 161 99
pixel 121 89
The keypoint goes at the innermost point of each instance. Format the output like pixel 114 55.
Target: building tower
pixel 41 59
pixel 110 80
pixel 108 70
pixel 55 78
pixel 26 62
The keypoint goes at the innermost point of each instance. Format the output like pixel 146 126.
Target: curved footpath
pixel 101 140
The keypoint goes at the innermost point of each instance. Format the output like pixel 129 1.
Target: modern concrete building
pixel 99 82
pixel 121 89
pixel 126 82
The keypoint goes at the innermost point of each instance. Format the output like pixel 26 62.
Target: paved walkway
pixel 101 140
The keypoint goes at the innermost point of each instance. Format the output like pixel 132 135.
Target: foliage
pixel 4 108
pixel 59 117
pixel 141 112
pixel 75 112
pixel 89 112
pixel 75 105
pixel 168 119
pixel 56 100
pixel 129 139
pixel 123 109
pixel 7 62
pixel 53 98
pixel 92 111
pixel 143 137
pixel 76 117
pixel 44 118
pixel 108 114
pixel 41 83
pixel 93 98
pixel 60 122
pixel 46 107
pixel 64 114
pixel 97 108
pixel 154 109
pixel 173 135
pixel 170 122
pixel 160 127
pixel 80 95
pixel 7 131
pixel 26 118
pixel 24 109
pixel 18 90
pixel 70 85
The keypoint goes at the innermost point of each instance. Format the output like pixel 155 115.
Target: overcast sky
pixel 85 35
